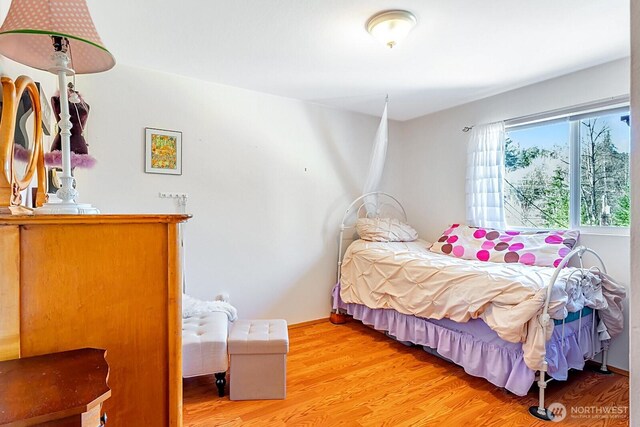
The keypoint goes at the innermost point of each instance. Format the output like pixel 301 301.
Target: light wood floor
pixel 353 376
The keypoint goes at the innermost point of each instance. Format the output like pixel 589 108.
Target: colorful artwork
pixel 163 151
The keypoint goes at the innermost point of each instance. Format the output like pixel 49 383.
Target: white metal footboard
pixel 541 411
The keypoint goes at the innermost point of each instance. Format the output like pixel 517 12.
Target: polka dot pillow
pixel 541 248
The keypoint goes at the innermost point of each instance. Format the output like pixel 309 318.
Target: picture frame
pixel 163 151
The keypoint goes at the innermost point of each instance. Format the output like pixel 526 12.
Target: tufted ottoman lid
pixel 259 337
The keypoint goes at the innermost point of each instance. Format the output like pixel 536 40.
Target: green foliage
pixel 557 202
pixel 621 215
pixel 517 158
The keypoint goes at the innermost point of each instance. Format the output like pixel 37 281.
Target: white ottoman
pixel 258 351
pixel 204 347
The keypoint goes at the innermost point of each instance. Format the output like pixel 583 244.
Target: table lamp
pixel 56 36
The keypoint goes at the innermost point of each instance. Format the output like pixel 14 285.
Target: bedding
pixel 410 279
pixel 541 248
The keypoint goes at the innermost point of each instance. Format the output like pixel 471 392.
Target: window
pixel 569 172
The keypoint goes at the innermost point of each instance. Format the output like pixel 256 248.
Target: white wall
pixel 268 179
pixel 427 164
pixel 635 214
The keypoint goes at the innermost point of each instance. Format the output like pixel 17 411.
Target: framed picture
pixel 163 151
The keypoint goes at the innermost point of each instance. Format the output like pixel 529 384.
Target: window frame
pixel 573 116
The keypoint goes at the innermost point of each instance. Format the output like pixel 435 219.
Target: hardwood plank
pixel 354 376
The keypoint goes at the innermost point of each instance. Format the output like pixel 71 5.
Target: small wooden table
pixel 58 389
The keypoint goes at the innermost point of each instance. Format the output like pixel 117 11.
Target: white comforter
pixel 410 279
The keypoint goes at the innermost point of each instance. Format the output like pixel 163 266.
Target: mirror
pixel 23 135
pixel 25 128
pixel 21 152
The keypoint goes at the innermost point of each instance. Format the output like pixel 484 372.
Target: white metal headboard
pixel 376 204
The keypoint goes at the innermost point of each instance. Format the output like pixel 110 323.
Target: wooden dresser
pixel 103 281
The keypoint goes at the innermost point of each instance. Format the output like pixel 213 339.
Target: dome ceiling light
pixel 391 26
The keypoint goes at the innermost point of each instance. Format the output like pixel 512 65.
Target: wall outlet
pixel 173 195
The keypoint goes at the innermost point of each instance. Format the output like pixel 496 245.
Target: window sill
pixel 587 231
pixel 605 231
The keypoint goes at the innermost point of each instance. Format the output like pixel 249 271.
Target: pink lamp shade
pixel 25 35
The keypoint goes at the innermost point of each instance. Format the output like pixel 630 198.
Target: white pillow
pixel 385 230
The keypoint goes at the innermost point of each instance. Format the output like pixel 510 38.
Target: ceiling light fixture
pixel 391 26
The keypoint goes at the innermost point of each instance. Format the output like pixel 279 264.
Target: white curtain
pixel 485 176
pixel 378 157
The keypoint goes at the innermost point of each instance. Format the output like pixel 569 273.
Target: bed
pixel 438 301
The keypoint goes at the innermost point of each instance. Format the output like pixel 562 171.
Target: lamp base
pixel 62 208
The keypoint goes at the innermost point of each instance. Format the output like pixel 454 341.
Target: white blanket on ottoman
pixel 194 307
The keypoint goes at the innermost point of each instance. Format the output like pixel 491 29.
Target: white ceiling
pixel 319 51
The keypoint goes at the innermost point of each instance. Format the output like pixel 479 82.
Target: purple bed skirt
pixel 477 348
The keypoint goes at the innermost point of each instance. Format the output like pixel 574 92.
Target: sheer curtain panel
pixel 485 176
pixel 376 167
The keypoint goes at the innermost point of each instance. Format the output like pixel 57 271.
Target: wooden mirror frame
pixel 10 183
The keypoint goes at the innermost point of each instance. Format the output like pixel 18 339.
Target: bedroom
pixel 276 145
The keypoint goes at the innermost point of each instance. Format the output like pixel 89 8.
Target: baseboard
pixel 308 323
pixel 613 369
